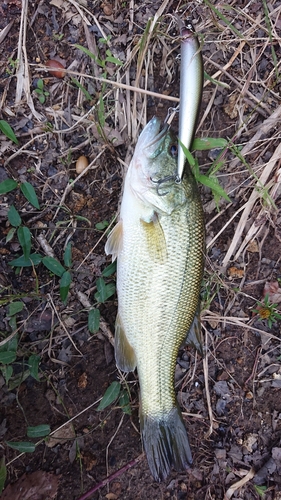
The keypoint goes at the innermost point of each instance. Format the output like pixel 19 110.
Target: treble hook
pixel 162 181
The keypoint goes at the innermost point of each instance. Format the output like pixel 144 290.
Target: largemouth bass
pixel 159 245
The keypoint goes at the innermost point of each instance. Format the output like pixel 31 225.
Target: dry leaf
pixel 231 107
pixel 39 485
pixel 253 247
pixel 234 272
pixel 83 381
pixel 62 435
pixel 273 291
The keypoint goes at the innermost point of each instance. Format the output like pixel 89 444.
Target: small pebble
pixel 81 164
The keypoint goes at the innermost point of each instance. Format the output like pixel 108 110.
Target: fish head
pixel 153 170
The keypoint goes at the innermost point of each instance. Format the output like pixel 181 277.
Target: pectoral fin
pixel 124 353
pixel 194 336
pixel 155 239
pixel 114 242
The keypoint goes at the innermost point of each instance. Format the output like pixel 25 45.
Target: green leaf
pixel 13 323
pixel 15 307
pixel 18 379
pixel 34 259
pixel 83 219
pixel 213 185
pixel 33 365
pixel 29 192
pixel 7 371
pixel 187 154
pixel 14 217
pixel 24 237
pixel 112 59
pixel 206 143
pixel 67 255
pixel 111 394
pixel 7 185
pixel 85 91
pixel 216 82
pixel 90 54
pixel 109 270
pixel 65 282
pixel 40 84
pixel 10 234
pixel 124 402
pixel 11 345
pixel 22 446
pixel 104 290
pixel 8 131
pixel 54 266
pixel 102 225
pixel 260 489
pixel 8 357
pixel 38 431
pixel 3 474
pixel 94 320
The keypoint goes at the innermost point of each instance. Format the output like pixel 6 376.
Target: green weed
pixel 267 311
pixel 42 94
pixel 210 180
pixel 8 131
pixel 118 395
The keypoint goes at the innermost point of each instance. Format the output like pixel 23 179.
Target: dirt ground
pixel 230 399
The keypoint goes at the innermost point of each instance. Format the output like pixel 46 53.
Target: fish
pixel 191 87
pixel 159 245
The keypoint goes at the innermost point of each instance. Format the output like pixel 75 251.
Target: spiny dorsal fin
pixel 155 239
pixel 114 242
pixel 124 353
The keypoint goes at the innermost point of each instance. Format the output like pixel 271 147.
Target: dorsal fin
pixel 114 242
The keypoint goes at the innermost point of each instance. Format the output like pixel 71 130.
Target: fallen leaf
pixel 250 441
pixel 62 435
pixel 273 291
pixel 253 247
pixel 234 272
pixel 39 485
pixel 231 107
pixel 239 484
pixel 83 381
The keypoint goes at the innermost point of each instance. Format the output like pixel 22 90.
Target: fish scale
pixel 159 242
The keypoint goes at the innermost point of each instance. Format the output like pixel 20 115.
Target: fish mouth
pixel 157 135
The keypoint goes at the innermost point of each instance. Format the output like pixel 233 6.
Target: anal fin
pixel 194 336
pixel 124 353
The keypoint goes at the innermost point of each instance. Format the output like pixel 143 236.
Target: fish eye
pixel 174 150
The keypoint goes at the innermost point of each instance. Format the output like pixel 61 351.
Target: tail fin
pixel 165 443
